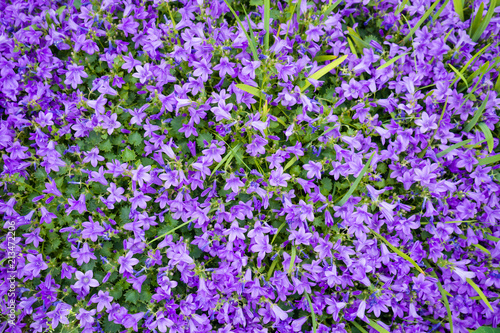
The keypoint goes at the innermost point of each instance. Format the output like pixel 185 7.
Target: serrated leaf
pixel 132 296
pixel 204 136
pixel 106 146
pixel 326 183
pixel 128 155
pixel 479 292
pixel 77 3
pixel 135 139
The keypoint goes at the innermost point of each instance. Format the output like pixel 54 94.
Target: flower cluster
pixel 262 166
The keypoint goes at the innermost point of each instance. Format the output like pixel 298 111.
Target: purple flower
pixel 225 67
pixel 36 264
pixel 278 178
pixel 92 230
pixel 78 205
pixel 85 281
pixel 233 183
pixel 427 123
pixel 102 299
pixel 313 169
pixel 127 262
pixel 85 317
pixel 59 314
pixel 82 255
pixel 74 75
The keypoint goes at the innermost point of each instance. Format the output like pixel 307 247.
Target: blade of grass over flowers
pixel 484 22
pixel 292 259
pixel 390 62
pixel 331 8
pixel 401 7
pixel 377 327
pixel 278 231
pixel 489 160
pixel 178 227
pixel 455 146
pixel 251 90
pixel 322 71
pixel 359 327
pixel 360 43
pixel 497 85
pixel 460 75
pixel 252 34
pixel 354 185
pixel 250 41
pixel 273 266
pixel 444 297
pixel 398 251
pixel 477 114
pixel 233 151
pixel 267 16
pixel 477 20
pixel 436 16
pixel 321 58
pixel 315 324
pixel 351 46
pixel 480 247
pixel 487 135
pixel 290 163
pixel 459 8
pixel 421 21
pixel 477 145
pixel 479 292
pixel 462 71
pixel 490 237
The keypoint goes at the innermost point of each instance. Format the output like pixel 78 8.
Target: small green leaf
pixel 292 259
pixel 313 314
pixel 377 327
pixel 460 75
pixel 459 8
pixel 346 197
pixel 128 155
pixel 251 90
pixel 398 251
pixel 60 9
pixel 135 139
pixel 325 69
pixel 487 134
pixel 77 3
pixel 321 58
pixel 359 327
pixel 291 162
pixel 480 292
pixel 487 329
pixel 489 160
pixel 390 62
pixel 477 114
pixel 132 296
pixel 451 148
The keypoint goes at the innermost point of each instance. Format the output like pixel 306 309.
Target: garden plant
pixel 249 166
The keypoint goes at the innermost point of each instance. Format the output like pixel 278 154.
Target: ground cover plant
pixel 264 166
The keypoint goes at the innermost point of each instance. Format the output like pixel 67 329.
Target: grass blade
pixel 351 46
pixel 479 292
pixel 377 327
pixel 250 41
pixel 330 9
pixel 477 20
pixel 233 151
pixel 460 75
pixel 271 269
pixel 487 135
pixel 459 8
pixel 398 252
pixel 489 160
pixel 478 114
pixel 484 22
pixel 360 43
pixel 267 16
pixel 390 62
pixel 315 324
pixel 436 16
pixel 455 146
pixel 290 163
pixel 480 247
pixel 359 327
pixel 325 69
pixel 251 90
pixel 292 259
pixel 401 7
pixel 321 58
pixel 346 197
pixel 421 21
pixel 443 296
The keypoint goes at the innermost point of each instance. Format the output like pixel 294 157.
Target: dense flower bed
pixel 262 166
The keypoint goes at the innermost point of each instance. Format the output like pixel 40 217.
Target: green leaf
pixel 480 292
pixel 359 327
pixel 477 114
pixel 460 75
pixel 346 197
pixel 331 8
pixel 231 154
pixel 315 324
pixel 459 8
pixel 60 9
pixel 251 90
pixel 77 3
pixel 327 57
pixel 351 46
pixel 476 34
pixel 489 160
pixel 132 296
pixel 208 137
pixel 128 155
pixel 398 251
pixel 444 297
pixel 292 259
pixel 401 7
pixel 377 327
pixel 250 41
pixel 451 148
pixel 390 62
pixel 291 162
pixel 267 15
pixel 271 269
pixel 487 134
pixel 487 329
pixel 421 21
pixel 135 139
pixel 325 69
